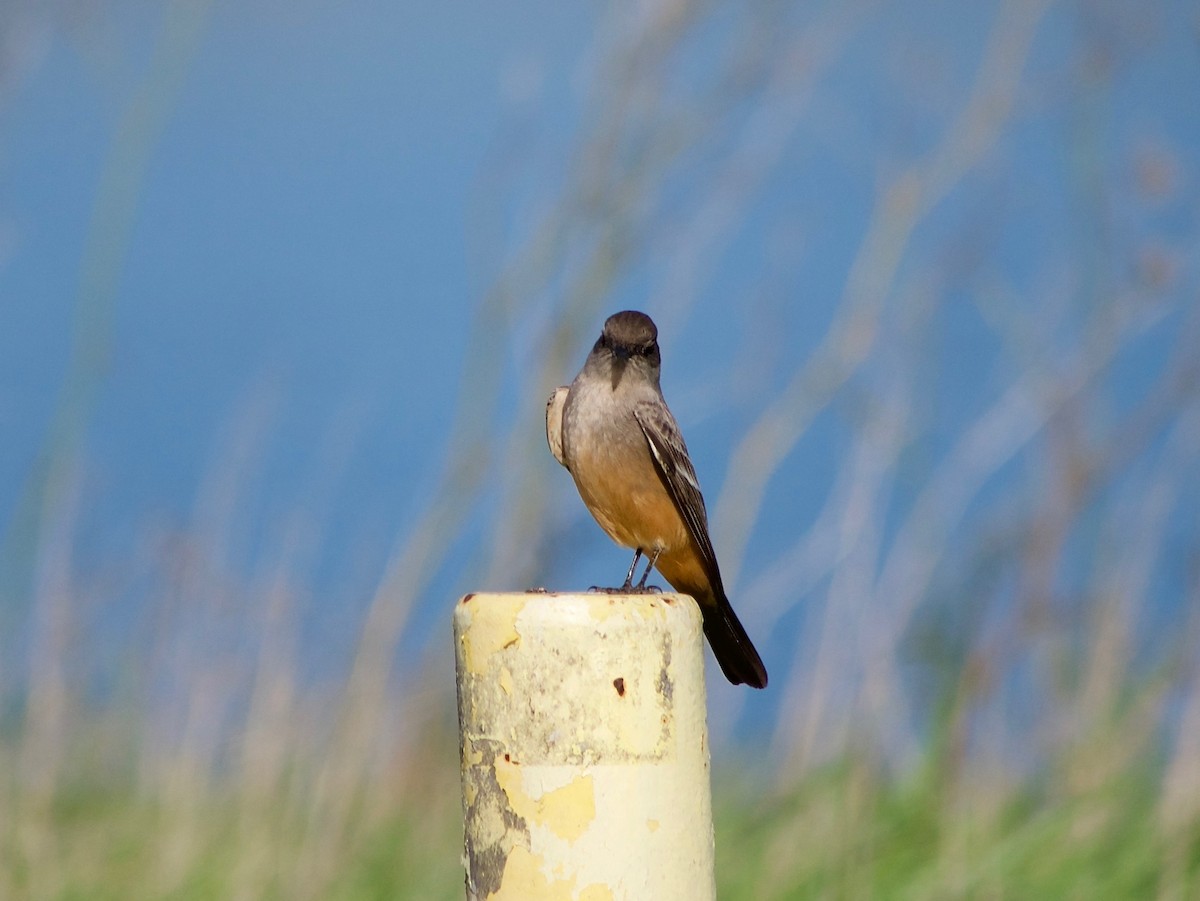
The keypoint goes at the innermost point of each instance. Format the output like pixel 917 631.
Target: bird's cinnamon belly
pixel 629 501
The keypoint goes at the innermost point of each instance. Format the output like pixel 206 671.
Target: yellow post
pixel 585 768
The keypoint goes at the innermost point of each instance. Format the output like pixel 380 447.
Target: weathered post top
pixel 585 765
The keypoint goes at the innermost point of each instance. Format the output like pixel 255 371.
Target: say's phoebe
pixel 613 432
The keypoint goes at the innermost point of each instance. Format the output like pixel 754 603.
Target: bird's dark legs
pixel 629 587
pixel 637 555
pixel 649 566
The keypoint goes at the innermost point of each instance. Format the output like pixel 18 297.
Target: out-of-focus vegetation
pixel 988 686
pixel 843 831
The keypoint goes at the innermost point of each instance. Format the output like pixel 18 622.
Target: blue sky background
pixel 303 218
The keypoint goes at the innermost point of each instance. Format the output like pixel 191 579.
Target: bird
pixel 613 432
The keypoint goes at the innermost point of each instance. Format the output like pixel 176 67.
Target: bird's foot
pixel 538 590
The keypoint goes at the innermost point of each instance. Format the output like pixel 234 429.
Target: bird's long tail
pixel 731 645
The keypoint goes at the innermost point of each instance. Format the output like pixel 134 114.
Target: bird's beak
pixel 620 361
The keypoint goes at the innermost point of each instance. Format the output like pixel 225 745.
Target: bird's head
pixel 629 340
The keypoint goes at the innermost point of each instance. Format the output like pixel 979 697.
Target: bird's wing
pixel 554 417
pixel 675 467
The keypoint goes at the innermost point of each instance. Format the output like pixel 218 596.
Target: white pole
pixel 585 766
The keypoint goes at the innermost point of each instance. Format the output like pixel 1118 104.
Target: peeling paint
pixel 524 881
pixel 479 645
pixel 596 892
pixel 567 811
pixel 493 829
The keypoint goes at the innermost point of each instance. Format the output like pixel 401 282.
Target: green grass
pixel 118 844
pixel 847 834
pixel 846 831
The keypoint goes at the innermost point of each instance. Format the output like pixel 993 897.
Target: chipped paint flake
pixel 524 879
pixel 567 811
pixel 494 630
pixel 570 810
